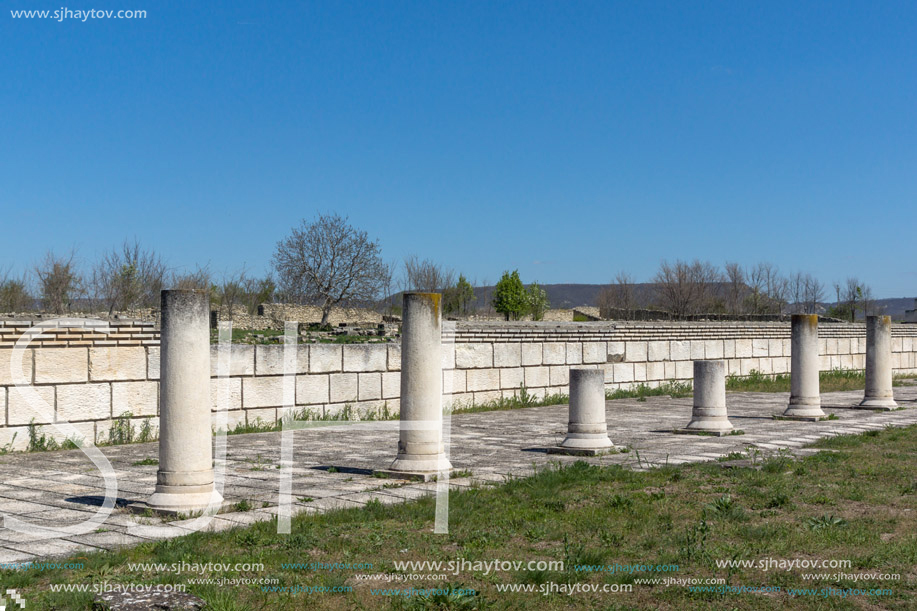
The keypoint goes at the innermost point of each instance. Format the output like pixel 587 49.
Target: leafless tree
pixel 59 281
pixel 686 288
pixel 257 291
pixel 14 293
pixel 200 279
pixel 230 292
pixel 128 278
pixel 426 275
pixel 619 295
pixel 735 288
pixel 328 262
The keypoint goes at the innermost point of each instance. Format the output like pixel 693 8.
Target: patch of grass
pixel 829 381
pixel 521 399
pixel 581 514
pixel 641 391
pixel 145 461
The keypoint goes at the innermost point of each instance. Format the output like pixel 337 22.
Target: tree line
pixel 686 289
pixel 327 262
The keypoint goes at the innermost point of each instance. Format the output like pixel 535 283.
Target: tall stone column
pixel 587 431
pixel 709 412
pixel 184 482
pixel 420 446
pixel 878 393
pixel 805 399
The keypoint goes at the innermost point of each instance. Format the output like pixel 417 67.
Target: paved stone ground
pixel 61 488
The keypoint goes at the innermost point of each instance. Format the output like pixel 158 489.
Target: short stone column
pixel 587 431
pixel 420 446
pixel 184 482
pixel 708 415
pixel 805 399
pixel 878 395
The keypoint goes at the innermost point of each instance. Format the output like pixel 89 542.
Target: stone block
pixel 152 362
pixel 655 370
pixel 729 348
pixel 743 348
pixel 759 347
pixel 391 384
pixel 513 377
pixel 615 352
pixel 61 365
pixel 623 373
pixel 560 375
pixel 84 402
pixel 698 350
pixel 474 356
pixel 657 351
pixel 554 353
pixel 537 376
pixel 684 370
pixel 574 353
pixel 262 392
pixel 635 352
pixel 233 397
pixel 117 363
pixel 482 379
pixel 454 381
pixel 313 388
pixel 325 358
pixel 595 352
pixel 508 355
pixel 19 405
pixel 531 354
pixel 366 357
pixel 241 360
pixel 344 387
pixel 370 386
pixel 394 356
pixel 138 398
pixel 749 365
pixel 269 359
pixel 6 357
pixel 680 351
pixel 774 348
pixel 713 349
pixel 639 372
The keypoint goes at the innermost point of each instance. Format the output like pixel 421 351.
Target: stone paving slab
pixel 58 489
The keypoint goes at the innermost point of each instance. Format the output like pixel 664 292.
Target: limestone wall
pixel 90 385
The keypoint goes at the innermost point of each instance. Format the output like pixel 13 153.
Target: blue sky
pixel 569 140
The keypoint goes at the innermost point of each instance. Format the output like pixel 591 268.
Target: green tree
pixel 464 293
pixel 537 301
pixel 510 297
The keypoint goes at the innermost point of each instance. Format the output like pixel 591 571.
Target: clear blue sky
pixel 569 140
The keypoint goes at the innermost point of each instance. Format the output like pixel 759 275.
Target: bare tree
pixel 618 295
pixel 129 278
pixel 735 288
pixel 230 291
pixel 427 276
pixel 14 293
pixel 199 279
pixel 60 283
pixel 686 288
pixel 328 262
pixel 257 291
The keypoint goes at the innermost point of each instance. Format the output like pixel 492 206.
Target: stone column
pixel 587 430
pixel 805 400
pixel 420 447
pixel 184 482
pixel 878 393
pixel 709 412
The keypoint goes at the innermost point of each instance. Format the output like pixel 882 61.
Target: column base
pixel 708 426
pixel 173 500
pixel 423 467
pixel 802 411
pixel 877 404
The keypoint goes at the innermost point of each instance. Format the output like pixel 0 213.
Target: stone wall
pixel 90 385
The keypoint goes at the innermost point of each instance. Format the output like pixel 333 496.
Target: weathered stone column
pixel 587 430
pixel 184 482
pixel 805 399
pixel 709 412
pixel 878 393
pixel 420 447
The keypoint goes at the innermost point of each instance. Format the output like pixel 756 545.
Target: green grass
pixel 856 502
pixel 829 381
